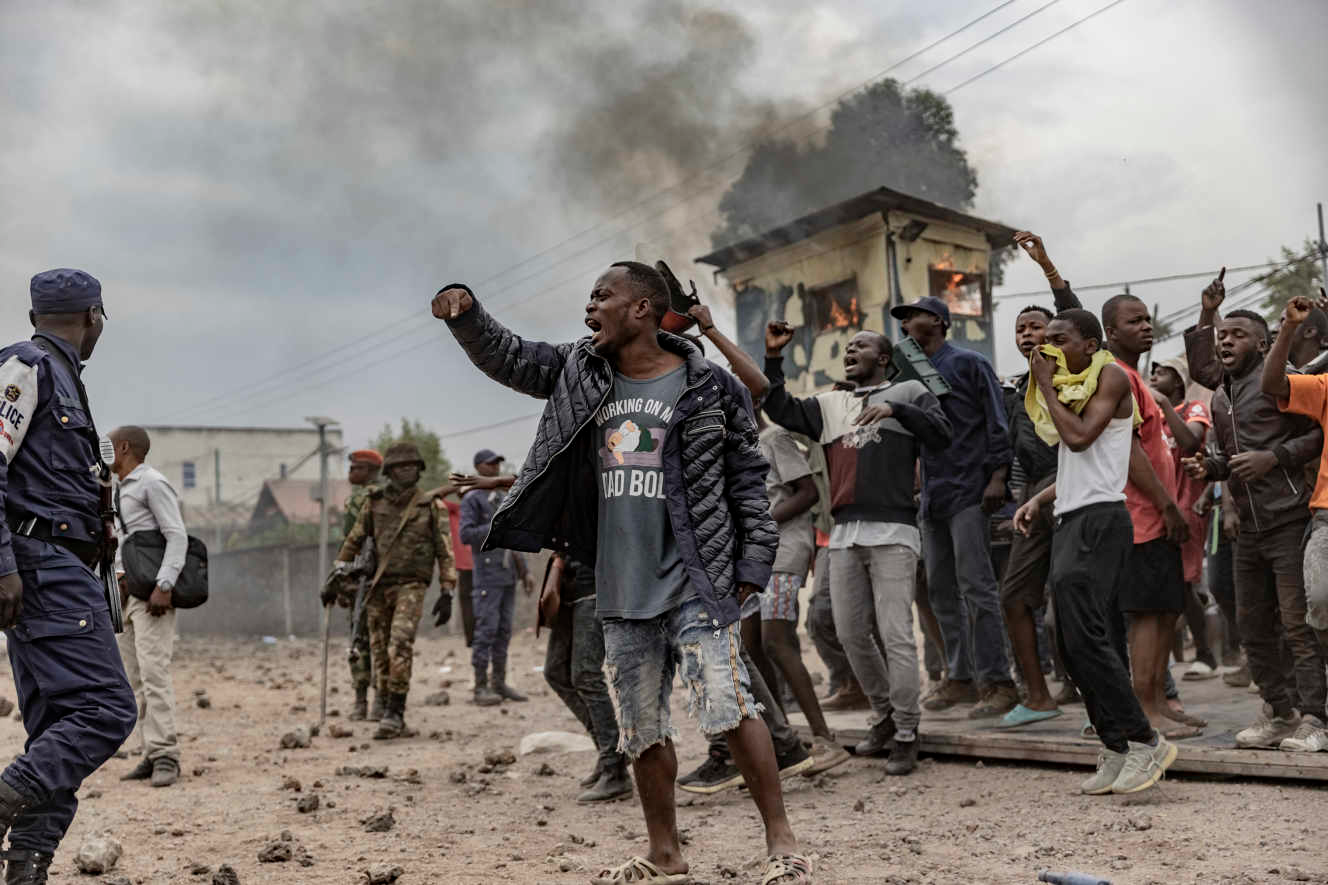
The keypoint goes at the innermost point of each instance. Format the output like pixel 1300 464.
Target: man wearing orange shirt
pixel 1306 395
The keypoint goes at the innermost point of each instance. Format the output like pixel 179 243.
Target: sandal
pixel 638 869
pixel 787 869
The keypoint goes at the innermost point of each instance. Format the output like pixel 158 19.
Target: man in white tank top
pixel 1092 543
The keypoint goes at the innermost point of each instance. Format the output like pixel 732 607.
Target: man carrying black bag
pixel 147 503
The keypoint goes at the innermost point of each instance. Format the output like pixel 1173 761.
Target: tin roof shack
pixel 840 270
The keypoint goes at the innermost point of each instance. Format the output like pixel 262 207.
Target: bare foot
pixel 1175 712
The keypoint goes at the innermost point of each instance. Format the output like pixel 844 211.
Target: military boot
pixel 613 782
pixel 379 706
pixel 12 804
pixel 483 696
pixel 500 686
pixel 26 867
pixel 360 711
pixel 393 724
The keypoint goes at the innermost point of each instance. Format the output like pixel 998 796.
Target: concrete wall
pixel 273 591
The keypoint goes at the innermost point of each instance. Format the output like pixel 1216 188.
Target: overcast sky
pixel 270 193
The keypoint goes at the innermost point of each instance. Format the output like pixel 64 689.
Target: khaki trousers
pixel 145 647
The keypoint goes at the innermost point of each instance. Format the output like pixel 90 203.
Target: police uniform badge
pixel 13 392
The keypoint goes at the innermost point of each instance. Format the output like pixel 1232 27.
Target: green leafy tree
pixel 436 465
pixel 883 135
pixel 1303 277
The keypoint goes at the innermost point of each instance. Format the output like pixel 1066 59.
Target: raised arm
pixel 748 372
pixel 1200 346
pixel 788 411
pixel 529 367
pixel 745 470
pixel 1274 380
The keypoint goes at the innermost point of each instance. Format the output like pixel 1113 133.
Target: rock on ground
pixel 555 742
pixel 99 853
pixel 379 822
pixel 382 874
pixel 225 875
pixel 300 738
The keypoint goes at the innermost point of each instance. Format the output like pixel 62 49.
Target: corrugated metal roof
pixel 880 200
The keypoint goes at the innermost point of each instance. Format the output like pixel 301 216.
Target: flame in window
pixel 844 317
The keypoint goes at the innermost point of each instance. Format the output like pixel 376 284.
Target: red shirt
pixel 1156 442
pixel 1189 489
pixel 460 552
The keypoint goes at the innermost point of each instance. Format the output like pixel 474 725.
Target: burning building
pixel 840 270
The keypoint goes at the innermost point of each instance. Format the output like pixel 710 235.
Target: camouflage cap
pixel 402 453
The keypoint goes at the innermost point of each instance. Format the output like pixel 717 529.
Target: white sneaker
pixel 1109 765
pixel 1144 765
pixel 1310 737
pixel 1268 731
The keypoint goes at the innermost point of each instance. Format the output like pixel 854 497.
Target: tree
pixel 436 465
pixel 880 136
pixel 1303 277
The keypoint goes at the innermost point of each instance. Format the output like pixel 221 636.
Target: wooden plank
pixel 1057 741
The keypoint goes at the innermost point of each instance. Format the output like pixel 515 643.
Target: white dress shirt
pixel 148 502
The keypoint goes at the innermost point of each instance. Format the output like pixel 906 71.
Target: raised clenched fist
pixel 452 302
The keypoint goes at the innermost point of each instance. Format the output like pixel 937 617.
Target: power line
pixel 1139 282
pixel 1041 42
pixel 752 142
pixel 783 127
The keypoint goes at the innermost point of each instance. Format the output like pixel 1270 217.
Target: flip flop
pixel 1199 670
pixel 639 871
pixel 1021 716
pixel 1181 732
pixel 1087 731
pixel 787 869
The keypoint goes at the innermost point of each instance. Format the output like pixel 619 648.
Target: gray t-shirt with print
pixel 639 572
pixel 787 465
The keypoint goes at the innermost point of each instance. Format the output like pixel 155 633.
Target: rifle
pixel 362 569
pixel 108 543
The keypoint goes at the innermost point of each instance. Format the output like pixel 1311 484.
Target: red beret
pixel 367 456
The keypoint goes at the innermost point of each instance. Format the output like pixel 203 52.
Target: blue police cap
pixel 65 290
pixel 487 456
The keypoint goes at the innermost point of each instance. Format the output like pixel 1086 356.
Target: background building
pixel 219 472
pixel 840 270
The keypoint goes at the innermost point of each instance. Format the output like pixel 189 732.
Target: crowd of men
pixel 687 505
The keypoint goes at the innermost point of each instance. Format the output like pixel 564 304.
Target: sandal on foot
pixel 787 869
pixel 1021 716
pixel 1181 732
pixel 639 870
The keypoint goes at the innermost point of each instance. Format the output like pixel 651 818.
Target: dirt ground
pixel 951 822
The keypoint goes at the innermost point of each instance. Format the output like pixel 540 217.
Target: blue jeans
pixel 494 607
pixel 641 658
pixel 77 705
pixel 965 597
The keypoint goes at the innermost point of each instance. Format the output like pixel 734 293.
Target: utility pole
pixel 322 423
pixel 1323 250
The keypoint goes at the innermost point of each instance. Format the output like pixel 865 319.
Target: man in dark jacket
pixel 493 596
pixel 646 463
pixel 961 486
pixel 1261 453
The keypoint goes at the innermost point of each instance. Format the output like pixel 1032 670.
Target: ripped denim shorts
pixel 641 657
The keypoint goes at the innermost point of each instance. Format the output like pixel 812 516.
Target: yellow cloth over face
pixel 1074 389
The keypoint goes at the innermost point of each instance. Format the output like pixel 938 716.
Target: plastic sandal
pixel 787 869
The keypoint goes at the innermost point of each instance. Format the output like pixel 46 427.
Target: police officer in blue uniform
pixel 77 705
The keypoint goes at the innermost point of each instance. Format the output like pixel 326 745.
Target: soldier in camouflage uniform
pixel 405 567
pixel 363 475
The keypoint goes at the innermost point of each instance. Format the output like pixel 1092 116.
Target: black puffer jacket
pixel 1245 419
pixel 714 473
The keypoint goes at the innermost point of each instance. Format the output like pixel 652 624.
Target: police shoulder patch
pixel 13 392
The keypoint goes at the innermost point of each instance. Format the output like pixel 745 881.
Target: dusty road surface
pixel 951 822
